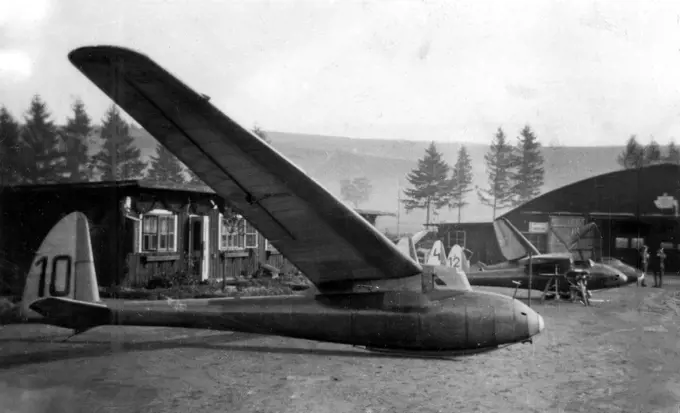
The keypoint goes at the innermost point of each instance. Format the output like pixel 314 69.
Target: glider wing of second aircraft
pixel 329 242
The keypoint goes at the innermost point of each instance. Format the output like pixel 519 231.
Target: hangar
pixel 631 207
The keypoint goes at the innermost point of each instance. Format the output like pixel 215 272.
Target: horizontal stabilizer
pixel 68 313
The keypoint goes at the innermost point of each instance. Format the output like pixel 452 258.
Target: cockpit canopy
pixel 548 263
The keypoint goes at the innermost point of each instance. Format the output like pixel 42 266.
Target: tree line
pixel 37 151
pixel 515 174
pixel 635 155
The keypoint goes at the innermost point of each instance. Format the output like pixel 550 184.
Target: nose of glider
pixel 531 322
pixel 617 279
pixel 535 323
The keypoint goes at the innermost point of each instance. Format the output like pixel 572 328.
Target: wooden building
pixel 478 237
pixel 140 230
pixel 630 207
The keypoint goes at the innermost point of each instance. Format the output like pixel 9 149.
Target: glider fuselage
pixel 437 321
pixel 601 277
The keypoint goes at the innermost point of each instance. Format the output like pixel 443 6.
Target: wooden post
pixel 557 285
pixel 531 270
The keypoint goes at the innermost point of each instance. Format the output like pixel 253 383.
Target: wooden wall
pixel 222 264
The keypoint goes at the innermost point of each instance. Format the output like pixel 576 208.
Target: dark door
pixel 195 246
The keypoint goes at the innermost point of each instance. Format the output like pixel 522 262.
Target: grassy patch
pixel 9 311
pixel 214 289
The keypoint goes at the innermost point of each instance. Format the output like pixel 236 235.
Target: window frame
pixel 244 231
pixel 619 243
pixel 158 213
pixel 456 238
pixel 268 246
pixel 637 242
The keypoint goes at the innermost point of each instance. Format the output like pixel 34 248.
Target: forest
pixel 38 151
pixel 515 173
pixel 35 150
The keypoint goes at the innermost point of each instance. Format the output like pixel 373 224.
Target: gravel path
pixel 621 356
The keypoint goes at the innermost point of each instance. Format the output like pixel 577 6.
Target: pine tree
pixel 356 190
pixel 528 174
pixel 165 167
pixel 498 167
pixel 673 155
pixel 10 159
pixel 652 153
pixel 41 146
pixel 430 183
pixel 633 155
pixel 461 179
pixel 118 158
pixel 75 135
pixel 262 134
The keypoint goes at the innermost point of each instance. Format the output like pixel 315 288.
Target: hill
pixel 328 159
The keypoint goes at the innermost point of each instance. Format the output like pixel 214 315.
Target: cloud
pixel 20 18
pixel 19 29
pixel 15 66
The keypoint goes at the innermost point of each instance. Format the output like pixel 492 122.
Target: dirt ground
pixel 622 355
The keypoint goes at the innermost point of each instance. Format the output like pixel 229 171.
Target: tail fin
pixel 420 235
pixel 436 255
pixel 407 246
pixel 63 266
pixel 513 244
pixel 456 258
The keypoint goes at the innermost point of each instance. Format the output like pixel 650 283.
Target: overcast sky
pixel 579 72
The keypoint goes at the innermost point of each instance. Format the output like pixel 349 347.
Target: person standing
pixel 644 258
pixel 662 267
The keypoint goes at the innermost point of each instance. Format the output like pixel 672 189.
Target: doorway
pixel 198 246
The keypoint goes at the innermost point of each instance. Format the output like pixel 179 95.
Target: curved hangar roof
pixel 650 191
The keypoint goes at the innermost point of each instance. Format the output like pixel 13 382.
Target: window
pixel 457 238
pixel 236 233
pixel 637 243
pixel 158 231
pixel 621 242
pixel 539 241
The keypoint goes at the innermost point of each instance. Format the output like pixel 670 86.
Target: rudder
pixel 455 258
pixel 512 243
pixel 436 254
pixel 63 267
